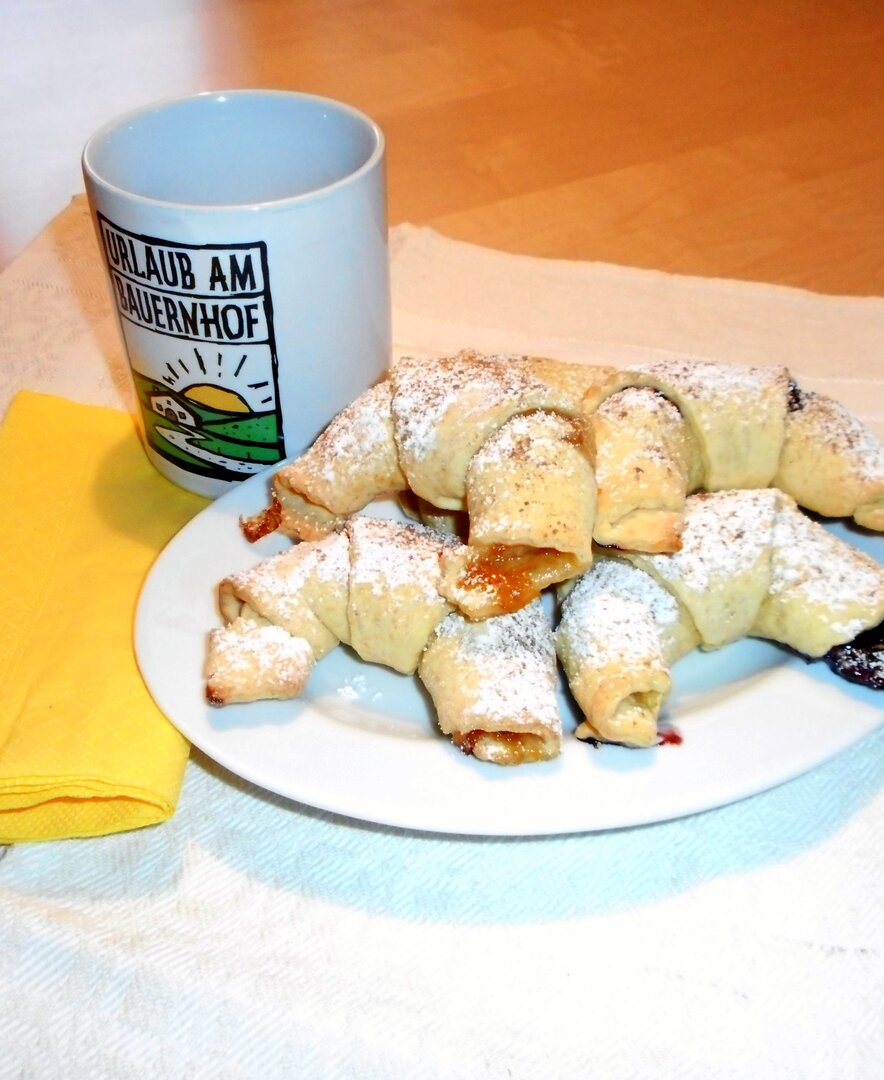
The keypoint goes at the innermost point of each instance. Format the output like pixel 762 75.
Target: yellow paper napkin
pixel 83 749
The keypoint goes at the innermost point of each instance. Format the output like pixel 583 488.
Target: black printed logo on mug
pixel 198 325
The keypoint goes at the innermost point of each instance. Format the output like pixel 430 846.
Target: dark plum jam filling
pixel 861 660
pixel 795 400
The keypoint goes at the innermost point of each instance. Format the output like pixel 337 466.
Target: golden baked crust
pixel 646 462
pixel 445 409
pixel 831 463
pixel 494 685
pixel 751 564
pixel 375 585
pixel 737 414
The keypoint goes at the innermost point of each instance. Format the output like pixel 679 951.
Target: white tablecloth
pixel 252 937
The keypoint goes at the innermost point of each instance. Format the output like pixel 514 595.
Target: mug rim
pixel 110 126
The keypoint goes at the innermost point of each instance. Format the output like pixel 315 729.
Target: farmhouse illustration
pixel 167 406
pixel 198 324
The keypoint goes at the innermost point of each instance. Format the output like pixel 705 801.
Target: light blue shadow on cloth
pixel 422 877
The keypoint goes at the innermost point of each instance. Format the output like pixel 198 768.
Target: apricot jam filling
pixel 515 576
pixel 518 747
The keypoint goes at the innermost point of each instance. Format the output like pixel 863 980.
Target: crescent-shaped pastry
pixel 448 432
pixel 619 633
pixel 534 461
pixel 444 410
pixel 375 585
pixel 531 501
pixel 737 414
pixel 751 564
pixel 646 463
pixel 750 427
pixel 353 461
pixel 830 462
pixel 493 684
pixel 280 618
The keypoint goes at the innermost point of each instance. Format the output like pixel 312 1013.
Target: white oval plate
pixel 362 741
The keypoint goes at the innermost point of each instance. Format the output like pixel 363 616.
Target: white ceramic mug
pixel 245 236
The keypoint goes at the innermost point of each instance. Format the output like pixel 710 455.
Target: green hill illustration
pixel 208 429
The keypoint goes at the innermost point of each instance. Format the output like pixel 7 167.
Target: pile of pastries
pixel 665 508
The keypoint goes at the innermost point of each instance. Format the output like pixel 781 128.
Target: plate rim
pixel 244 499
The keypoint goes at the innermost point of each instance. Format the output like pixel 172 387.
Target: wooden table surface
pixel 737 138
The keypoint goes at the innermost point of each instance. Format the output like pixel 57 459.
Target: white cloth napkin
pixel 447 293
pixel 253 937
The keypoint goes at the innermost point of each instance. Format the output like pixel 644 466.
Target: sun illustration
pixel 250 372
pixel 217 397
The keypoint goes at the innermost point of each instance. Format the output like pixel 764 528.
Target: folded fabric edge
pixel 64 817
pixel 56 804
pixel 40 789
pixel 407 236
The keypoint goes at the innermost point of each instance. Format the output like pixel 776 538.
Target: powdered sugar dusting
pixel 389 555
pixel 533 437
pixel 725 534
pixel 518 653
pixel 811 562
pixel 625 403
pixel 424 391
pixel 534 445
pixel 704 379
pixel 281 579
pixel 833 425
pixel 360 432
pixel 614 614
pixel 650 411
pixel 250 653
